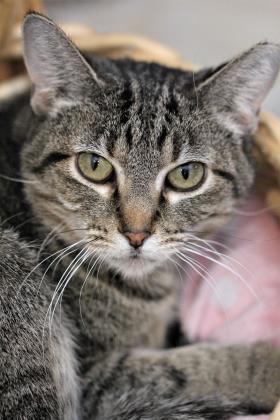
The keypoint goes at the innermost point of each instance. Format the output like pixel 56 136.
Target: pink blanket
pixel 238 299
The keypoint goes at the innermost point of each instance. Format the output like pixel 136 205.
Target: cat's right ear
pixel 60 75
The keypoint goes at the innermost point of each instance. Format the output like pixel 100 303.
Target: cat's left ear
pixel 59 73
pixel 236 91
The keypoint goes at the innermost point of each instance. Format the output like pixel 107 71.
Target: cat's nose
pixel 136 239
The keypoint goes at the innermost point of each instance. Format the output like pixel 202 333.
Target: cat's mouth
pixel 133 264
pixel 135 254
pixel 136 257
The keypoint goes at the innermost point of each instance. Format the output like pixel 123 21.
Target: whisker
pixel 56 234
pixel 68 274
pixel 101 262
pixel 23 223
pixel 20 180
pixel 62 254
pixel 219 254
pixel 263 210
pixel 203 272
pixel 43 261
pixel 74 270
pixel 3 222
pixel 228 268
pixel 173 261
pixel 65 274
pixel 71 270
pixel 84 283
pixel 226 234
pixel 47 239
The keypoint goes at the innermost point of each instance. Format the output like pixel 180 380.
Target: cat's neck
pixel 92 295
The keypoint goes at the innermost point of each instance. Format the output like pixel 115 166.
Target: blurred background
pixel 205 32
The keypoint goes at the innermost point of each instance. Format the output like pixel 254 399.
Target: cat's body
pixel 105 353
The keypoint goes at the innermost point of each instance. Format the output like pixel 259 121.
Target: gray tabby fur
pixel 112 362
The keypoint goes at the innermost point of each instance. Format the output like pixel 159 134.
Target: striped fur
pixel 106 353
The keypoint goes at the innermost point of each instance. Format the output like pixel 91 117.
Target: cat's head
pixel 130 160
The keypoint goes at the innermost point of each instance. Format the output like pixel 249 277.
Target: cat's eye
pixel 186 177
pixel 94 167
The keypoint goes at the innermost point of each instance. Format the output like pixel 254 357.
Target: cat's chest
pixel 112 317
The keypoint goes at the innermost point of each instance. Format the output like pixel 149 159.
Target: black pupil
pixel 94 162
pixel 185 170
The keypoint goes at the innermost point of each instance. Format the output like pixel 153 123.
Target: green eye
pixel 186 177
pixel 95 168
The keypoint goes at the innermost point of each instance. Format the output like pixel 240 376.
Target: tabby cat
pixel 106 175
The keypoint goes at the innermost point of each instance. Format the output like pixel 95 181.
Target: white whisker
pixel 66 277
pixel 21 180
pixel 84 283
pixel 226 267
pixel 228 259
pixel 202 272
pixel 3 222
pixel 74 270
pixel 42 262
pixel 47 239
pixel 214 251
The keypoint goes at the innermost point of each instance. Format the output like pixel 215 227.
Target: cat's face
pixel 130 159
pixel 138 185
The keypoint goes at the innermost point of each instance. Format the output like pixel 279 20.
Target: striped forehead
pixel 150 121
pixel 145 117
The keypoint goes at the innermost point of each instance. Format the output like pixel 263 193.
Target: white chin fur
pixel 133 267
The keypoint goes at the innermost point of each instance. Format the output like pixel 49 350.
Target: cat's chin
pixel 133 268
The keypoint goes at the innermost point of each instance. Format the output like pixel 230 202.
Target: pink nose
pixel 136 238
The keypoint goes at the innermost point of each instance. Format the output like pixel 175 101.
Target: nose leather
pixel 136 238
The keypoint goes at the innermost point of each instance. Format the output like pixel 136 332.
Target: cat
pixel 108 168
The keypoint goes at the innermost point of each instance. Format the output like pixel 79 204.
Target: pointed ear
pixel 59 73
pixel 237 90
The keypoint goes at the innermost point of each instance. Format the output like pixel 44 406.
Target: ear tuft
pixel 237 91
pixel 60 74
